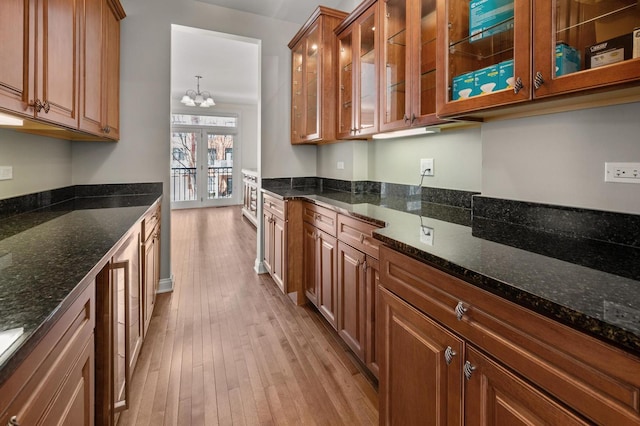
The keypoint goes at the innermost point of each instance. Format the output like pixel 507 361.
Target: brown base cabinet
pixel 451 353
pixel 150 264
pixel 320 271
pixel 55 383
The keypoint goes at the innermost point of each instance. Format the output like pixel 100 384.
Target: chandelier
pixel 195 97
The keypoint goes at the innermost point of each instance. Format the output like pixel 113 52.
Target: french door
pixel 202 170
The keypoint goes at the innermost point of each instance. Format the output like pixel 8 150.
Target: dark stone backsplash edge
pixel 25 203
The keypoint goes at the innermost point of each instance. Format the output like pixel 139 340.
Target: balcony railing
pixel 184 183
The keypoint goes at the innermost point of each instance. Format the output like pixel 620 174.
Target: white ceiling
pixel 285 10
pixel 228 65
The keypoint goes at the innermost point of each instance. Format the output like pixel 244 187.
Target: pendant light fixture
pixel 197 98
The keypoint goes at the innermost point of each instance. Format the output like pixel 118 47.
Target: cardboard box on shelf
pixel 567 59
pixel 609 52
pixel 636 43
pixel 464 86
pixel 505 79
pixel 485 15
pixel 486 79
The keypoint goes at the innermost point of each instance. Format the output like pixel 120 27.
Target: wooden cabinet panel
pixel 496 397
pixel 151 275
pixel 269 241
pixel 326 268
pixel 309 268
pixel 417 385
pixel 372 281
pixel 57 49
pixel 91 65
pixel 55 383
pixel 351 312
pixel 14 55
pixel 279 266
pixel 111 80
pixel 320 217
pixel 358 235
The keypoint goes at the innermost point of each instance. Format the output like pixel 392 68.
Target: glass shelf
pixel 399 38
pixel 611 13
pixel 490 45
pixel 368 57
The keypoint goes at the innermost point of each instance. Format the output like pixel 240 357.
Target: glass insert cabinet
pixel 502 52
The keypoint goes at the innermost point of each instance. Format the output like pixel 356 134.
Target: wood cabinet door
pixel 111 89
pixel 57 59
pixel 577 26
pixel 496 397
pixel 372 280
pixel 326 270
pixel 279 265
pixel 351 310
pixel 346 68
pixel 309 249
pixel 268 231
pixel 418 386
pixel 15 28
pixel 151 276
pixel 297 93
pixel 92 97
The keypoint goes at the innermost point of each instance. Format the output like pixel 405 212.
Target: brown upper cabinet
pixel 59 65
pixel 313 78
pixel 408 30
pixel 357 60
pixel 534 49
pixel 100 67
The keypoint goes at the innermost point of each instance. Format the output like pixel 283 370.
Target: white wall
pixel 39 163
pixel 559 159
pixel 142 155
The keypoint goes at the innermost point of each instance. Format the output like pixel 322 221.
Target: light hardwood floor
pixel 226 347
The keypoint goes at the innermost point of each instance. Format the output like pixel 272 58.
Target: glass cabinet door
pixel 426 93
pixel 297 99
pixel 585 44
pixel 393 68
pixel 312 83
pixel 367 110
pixel 487 54
pixel 346 125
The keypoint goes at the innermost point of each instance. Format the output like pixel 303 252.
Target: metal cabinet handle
pixel 468 370
pixel 361 238
pixel 406 118
pixel 460 311
pixel 106 129
pixel 518 86
pixel 365 266
pixel 413 118
pixel 449 353
pixel 37 105
pixel 538 81
pixel 13 421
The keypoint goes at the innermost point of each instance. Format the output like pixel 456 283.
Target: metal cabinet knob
pixel 13 421
pixel 460 311
pixel 538 81
pixel 518 86
pixel 449 353
pixel 406 118
pixel 468 370
pixel 106 129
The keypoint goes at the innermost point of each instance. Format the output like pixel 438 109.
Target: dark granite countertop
pixel 47 254
pixel 583 298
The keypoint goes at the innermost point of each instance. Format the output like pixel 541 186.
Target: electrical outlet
pixel 622 172
pixel 426 235
pixel 426 167
pixel 622 315
pixel 6 172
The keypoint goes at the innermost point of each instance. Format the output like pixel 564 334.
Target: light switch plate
pixel 6 172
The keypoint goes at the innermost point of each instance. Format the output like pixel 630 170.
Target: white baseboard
pixel 166 285
pixel 259 267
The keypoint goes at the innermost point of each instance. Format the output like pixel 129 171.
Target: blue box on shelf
pixel 464 86
pixel 485 15
pixel 567 59
pixel 505 79
pixel 486 79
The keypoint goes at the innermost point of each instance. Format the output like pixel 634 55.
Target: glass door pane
pixel 183 166
pixel 219 166
pixel 427 81
pixel 297 99
pixel 395 58
pixel 481 45
pixel 345 94
pixel 312 68
pixel 368 88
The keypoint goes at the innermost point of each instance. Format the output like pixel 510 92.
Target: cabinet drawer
pixel 595 379
pixel 274 205
pixel 320 217
pixel 150 222
pixel 358 235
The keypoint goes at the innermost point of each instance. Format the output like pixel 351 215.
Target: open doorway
pixel 211 142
